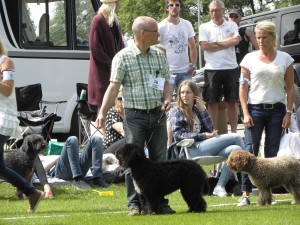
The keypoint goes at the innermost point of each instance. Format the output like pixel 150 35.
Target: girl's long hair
pixel 183 107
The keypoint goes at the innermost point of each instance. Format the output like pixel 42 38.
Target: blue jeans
pixel 71 164
pixel 11 176
pixel 221 145
pixel 177 78
pixel 142 128
pixel 269 120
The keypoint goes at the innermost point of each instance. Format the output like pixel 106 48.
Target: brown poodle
pixel 266 173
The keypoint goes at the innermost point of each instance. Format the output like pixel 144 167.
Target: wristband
pixel 8 75
pixel 289 111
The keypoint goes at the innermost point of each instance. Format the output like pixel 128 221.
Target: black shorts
pixel 219 83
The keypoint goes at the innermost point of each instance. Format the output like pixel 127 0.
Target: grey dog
pixel 267 173
pixel 22 160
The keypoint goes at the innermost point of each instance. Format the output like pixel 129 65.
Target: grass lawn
pixel 72 206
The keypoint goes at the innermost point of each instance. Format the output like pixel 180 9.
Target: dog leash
pixel 163 112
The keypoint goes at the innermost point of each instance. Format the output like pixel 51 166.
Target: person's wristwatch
pixel 289 111
pixel 193 65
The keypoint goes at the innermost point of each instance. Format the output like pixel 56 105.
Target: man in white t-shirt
pixel 218 38
pixel 177 37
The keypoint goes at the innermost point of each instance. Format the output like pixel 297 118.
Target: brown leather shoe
pixel 34 200
pixel 133 212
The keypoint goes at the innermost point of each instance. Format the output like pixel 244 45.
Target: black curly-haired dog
pixel 153 180
pixel 22 160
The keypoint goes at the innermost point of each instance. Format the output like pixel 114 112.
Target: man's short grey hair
pixel 140 23
pixel 217 2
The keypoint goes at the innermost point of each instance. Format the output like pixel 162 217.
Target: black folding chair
pixel 86 115
pixel 32 113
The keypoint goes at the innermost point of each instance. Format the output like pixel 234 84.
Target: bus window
pixel 44 24
pixel 84 15
pixel 290 29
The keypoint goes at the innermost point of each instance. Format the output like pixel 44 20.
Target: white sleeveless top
pixel 9 123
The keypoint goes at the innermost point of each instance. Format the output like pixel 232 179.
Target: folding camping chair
pixel 217 161
pixel 32 113
pixel 86 115
pixel 202 160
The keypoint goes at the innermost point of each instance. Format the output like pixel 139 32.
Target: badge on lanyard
pixel 155 82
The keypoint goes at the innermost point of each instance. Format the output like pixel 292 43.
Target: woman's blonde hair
pixel 269 27
pixel 108 10
pixel 2 48
pixel 183 107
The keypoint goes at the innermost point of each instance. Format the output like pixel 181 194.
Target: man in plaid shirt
pixel 143 72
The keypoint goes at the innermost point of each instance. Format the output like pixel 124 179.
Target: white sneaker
pixel 273 202
pixel 220 191
pixel 244 201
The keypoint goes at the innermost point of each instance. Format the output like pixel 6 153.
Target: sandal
pixel 48 194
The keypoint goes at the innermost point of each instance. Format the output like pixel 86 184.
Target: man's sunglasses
pixel 120 99
pixel 234 16
pixel 173 5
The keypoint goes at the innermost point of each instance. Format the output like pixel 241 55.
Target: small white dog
pixel 109 162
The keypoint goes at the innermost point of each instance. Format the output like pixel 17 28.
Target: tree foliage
pixel 130 9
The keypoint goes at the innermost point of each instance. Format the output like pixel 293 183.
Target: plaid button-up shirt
pixel 133 70
pixel 180 127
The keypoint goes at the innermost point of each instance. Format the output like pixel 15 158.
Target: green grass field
pixel 72 206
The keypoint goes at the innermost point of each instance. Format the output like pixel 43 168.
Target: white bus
pixel 48 42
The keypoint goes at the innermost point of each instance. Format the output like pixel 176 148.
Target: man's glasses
pixel 215 10
pixel 151 31
pixel 120 99
pixel 173 5
pixel 233 16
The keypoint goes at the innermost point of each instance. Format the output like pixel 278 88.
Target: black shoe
pixel 166 209
pixel 100 182
pixel 34 200
pixel 81 185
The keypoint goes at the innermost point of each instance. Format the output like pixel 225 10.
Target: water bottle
pixel 82 99
pixel 212 173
